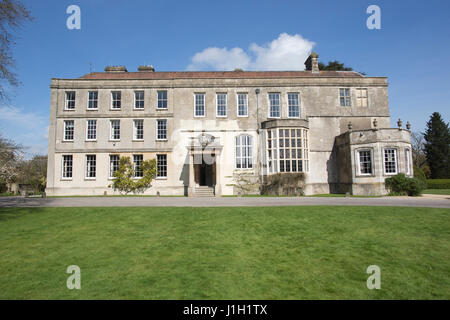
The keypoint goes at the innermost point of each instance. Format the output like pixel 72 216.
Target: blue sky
pixel 412 48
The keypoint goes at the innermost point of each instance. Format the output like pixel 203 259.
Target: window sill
pixel 221 116
pixel 138 109
pixel 90 179
pixel 91 140
pixel 67 141
pixel 111 140
pixel 91 109
pixel 161 140
pixel 66 179
pixel 115 109
pixel 161 178
pixel 161 109
pixel 137 140
pixel 242 116
pixel 69 109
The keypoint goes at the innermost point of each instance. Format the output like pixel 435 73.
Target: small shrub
pixel 402 185
pixel 438 184
pixel 287 184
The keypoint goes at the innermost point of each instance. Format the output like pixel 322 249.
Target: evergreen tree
pixel 437 147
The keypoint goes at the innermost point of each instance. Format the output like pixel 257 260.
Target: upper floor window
pixel 162 99
pixel 93 100
pixel 116 100
pixel 138 129
pixel 221 108
pixel 115 130
pixel 91 130
pixel 70 100
pixel 365 162
pixel 161 165
pixel 113 164
pixel 361 97
pixel 199 105
pixel 91 165
pixel 293 105
pixel 390 161
pixel 137 161
pixel 242 99
pixel 67 167
pixel 139 99
pixel 344 97
pixel 161 129
pixel 274 102
pixel 69 129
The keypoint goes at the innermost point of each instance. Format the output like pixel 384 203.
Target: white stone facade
pixel 224 132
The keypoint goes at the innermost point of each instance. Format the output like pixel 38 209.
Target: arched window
pixel 244 158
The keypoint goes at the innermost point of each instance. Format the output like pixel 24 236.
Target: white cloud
pixel 27 128
pixel 287 52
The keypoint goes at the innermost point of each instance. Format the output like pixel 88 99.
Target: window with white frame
pixel 138 129
pixel 91 165
pixel 221 107
pixel 70 100
pixel 287 150
pixel 408 161
pixel 91 130
pixel 137 162
pixel 93 100
pixel 161 129
pixel 293 105
pixel 161 165
pixel 244 155
pixel 390 161
pixel 199 105
pixel 242 99
pixel 139 99
pixel 67 166
pixel 274 103
pixel 361 97
pixel 69 129
pixel 365 162
pixel 162 99
pixel 115 130
pixel 344 97
pixel 116 99
pixel 113 164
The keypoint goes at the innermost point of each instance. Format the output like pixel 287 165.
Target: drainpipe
pixel 257 91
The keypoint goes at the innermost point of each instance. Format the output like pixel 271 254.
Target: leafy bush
pixel 402 185
pixel 287 184
pixel 438 184
pixel 124 179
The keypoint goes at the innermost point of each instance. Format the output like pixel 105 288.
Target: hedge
pixel 438 183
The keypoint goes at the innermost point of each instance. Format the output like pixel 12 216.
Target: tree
pixel 12 15
pixel 11 154
pixel 334 66
pixel 33 172
pixel 124 177
pixel 437 147
pixel 418 154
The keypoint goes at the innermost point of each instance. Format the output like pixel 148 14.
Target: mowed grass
pixel 225 253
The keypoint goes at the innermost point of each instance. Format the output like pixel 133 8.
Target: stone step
pixel 204 192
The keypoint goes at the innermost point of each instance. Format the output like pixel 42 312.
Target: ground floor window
pixel 407 161
pixel 113 164
pixel 390 161
pixel 67 166
pixel 287 150
pixel 91 166
pixel 137 161
pixel 244 159
pixel 161 165
pixel 365 162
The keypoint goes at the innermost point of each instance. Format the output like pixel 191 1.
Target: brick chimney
pixel 312 63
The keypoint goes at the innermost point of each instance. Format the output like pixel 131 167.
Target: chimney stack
pixel 312 63
pixel 116 69
pixel 146 69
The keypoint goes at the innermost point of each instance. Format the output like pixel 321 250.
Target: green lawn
pixel 437 191
pixel 225 253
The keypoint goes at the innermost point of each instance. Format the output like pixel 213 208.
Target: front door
pixel 206 175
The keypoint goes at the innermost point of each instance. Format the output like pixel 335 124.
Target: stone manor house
pixel 208 129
